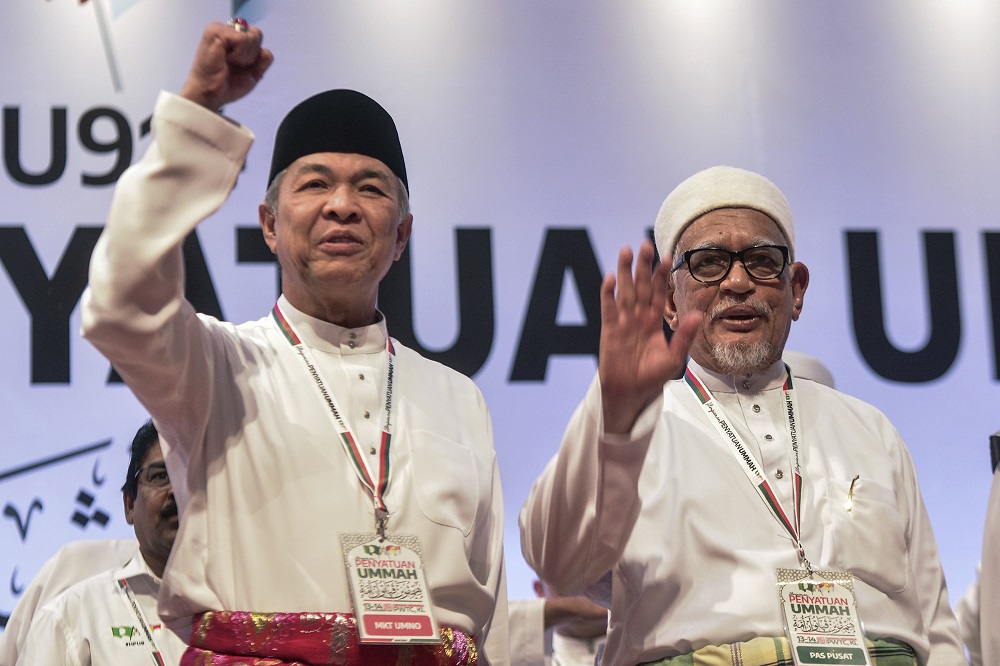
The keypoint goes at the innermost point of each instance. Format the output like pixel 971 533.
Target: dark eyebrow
pixel 157 466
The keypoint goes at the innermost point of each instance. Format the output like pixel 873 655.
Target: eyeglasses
pixel 711 265
pixel 155 476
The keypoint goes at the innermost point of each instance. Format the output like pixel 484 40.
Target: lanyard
pixel 129 597
pixel 749 464
pixel 376 487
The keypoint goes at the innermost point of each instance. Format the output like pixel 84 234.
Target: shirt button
pixel 352 335
pixel 351 344
pixel 756 408
pixel 372 451
pixel 768 437
pixel 361 377
pixel 746 385
pixel 367 414
pixel 778 474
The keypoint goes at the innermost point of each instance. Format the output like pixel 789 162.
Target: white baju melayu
pixel 529 641
pixel 72 563
pixel 263 483
pixel 91 622
pixel 967 614
pixel 570 651
pixel 989 593
pixel 663 527
pixel 531 644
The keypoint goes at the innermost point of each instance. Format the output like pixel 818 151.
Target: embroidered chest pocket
pixel 447 487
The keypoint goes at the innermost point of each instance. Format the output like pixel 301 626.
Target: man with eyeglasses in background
pixel 712 511
pixel 111 618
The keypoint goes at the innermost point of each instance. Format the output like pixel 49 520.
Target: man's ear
pixel 267 219
pixel 129 503
pixel 670 306
pixel 403 230
pixel 799 278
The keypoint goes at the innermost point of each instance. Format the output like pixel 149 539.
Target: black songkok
pixel 338 121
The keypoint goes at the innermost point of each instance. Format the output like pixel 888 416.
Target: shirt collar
pixel 771 377
pixel 324 336
pixel 137 568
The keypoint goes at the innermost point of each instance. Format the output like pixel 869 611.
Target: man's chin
pixel 742 357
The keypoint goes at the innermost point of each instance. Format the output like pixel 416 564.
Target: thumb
pixel 680 341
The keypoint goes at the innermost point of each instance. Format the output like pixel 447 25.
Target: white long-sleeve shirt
pixel 989 593
pixel 91 623
pixel 663 526
pixel 263 485
pixel 967 614
pixel 72 563
pixel 531 644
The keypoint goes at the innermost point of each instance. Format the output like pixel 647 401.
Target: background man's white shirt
pixel 92 623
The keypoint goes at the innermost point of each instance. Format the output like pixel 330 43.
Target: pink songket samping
pixel 240 638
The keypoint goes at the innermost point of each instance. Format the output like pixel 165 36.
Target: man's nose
pixel 738 279
pixel 341 204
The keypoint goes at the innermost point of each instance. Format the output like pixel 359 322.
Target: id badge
pixel 389 589
pixel 821 617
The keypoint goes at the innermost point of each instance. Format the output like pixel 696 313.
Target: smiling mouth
pixel 341 236
pixel 740 319
pixel 340 244
pixel 740 316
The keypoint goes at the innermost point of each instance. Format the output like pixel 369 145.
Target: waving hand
pixel 636 359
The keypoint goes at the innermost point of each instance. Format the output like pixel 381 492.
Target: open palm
pixel 636 359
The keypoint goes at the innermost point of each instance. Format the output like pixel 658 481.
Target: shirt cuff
pixel 641 429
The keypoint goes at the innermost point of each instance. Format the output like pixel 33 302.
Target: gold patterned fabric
pixel 767 651
pixel 240 638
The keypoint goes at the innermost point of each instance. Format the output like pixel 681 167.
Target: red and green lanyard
pixel 750 465
pixel 376 487
pixel 147 631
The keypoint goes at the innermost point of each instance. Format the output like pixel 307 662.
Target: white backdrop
pixel 559 121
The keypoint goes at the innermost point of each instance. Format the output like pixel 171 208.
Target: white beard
pixel 740 358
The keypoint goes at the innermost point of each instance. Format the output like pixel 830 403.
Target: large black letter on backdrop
pixel 121 145
pixel 251 249
pixel 937 356
pixel 49 302
pixel 474 256
pixel 667 331
pixel 12 147
pixel 541 336
pixel 991 243
pixel 198 287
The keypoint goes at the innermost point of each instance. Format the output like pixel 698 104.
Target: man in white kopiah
pixel 300 438
pixel 680 504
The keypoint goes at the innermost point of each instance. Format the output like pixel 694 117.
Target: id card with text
pixel 821 617
pixel 389 589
